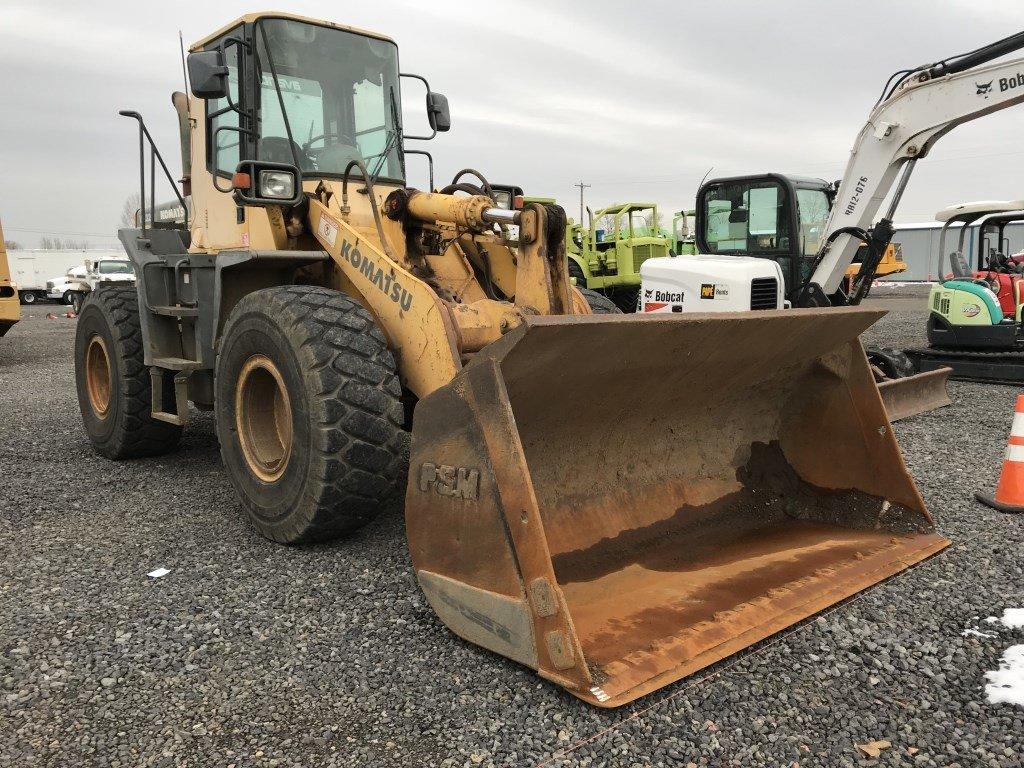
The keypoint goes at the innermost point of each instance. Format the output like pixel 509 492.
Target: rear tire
pixel 309 413
pixel 626 298
pixel 113 381
pixel 576 271
pixel 28 297
pixel 599 304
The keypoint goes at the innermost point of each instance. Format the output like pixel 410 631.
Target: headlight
pixel 279 185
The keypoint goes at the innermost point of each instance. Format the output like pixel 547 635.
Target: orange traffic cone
pixel 1010 491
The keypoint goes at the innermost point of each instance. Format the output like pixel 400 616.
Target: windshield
pixel 114 268
pixel 340 95
pixel 814 210
pixel 746 217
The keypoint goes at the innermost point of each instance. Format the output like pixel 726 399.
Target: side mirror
pixel 208 74
pixel 263 184
pixel 437 112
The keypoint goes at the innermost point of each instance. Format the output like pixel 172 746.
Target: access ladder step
pixel 175 311
pixel 175 363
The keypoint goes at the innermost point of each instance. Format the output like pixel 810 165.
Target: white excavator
pixel 812 229
pixel 774 241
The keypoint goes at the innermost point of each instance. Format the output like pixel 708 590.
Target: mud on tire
pixel 116 412
pixel 341 416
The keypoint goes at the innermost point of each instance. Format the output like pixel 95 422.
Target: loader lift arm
pixel 926 104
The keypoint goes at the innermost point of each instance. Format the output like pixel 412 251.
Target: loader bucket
pixel 619 501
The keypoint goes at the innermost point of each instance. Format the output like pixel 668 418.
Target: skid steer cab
pixel 319 305
pixel 756 238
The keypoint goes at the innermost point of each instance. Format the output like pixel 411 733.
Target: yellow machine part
pixel 620 520
pixel 10 306
pixel 892 263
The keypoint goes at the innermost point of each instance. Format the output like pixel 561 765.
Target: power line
pixel 582 186
pixel 29 230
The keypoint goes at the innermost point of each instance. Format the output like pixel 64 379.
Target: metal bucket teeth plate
pixel 913 395
pixel 619 501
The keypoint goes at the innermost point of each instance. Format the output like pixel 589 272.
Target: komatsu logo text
pixel 385 281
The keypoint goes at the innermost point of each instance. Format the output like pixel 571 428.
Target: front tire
pixel 309 414
pixel 113 381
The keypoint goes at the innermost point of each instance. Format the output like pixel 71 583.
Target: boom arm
pixel 903 128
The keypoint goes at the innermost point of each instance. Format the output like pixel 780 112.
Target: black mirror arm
pixel 423 80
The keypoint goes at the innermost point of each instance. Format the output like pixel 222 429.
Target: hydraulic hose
pixel 373 203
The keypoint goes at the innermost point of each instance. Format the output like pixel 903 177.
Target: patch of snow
pixel 1013 618
pixel 1006 684
pixel 972 632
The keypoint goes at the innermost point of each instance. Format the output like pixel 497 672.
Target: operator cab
pixel 772 216
pixel 286 99
pixel 977 303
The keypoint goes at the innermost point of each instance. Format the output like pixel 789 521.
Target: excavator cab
pixel 772 216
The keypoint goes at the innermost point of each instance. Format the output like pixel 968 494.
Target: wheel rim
pixel 97 376
pixel 263 418
pixel 30 298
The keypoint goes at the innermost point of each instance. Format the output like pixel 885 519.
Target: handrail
pixel 154 155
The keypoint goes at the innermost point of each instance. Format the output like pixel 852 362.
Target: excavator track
pixel 984 367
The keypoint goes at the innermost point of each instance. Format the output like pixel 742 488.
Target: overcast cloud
pixel 639 100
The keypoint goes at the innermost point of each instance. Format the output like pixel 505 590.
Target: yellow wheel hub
pixel 97 376
pixel 263 418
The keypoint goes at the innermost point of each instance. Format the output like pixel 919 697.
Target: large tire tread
pixel 358 445
pixel 136 433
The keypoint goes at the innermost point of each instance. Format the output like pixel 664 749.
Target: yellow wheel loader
pixel 740 470
pixel 10 306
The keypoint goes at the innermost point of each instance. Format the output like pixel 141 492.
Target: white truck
pixel 57 274
pixel 81 281
pixel 30 270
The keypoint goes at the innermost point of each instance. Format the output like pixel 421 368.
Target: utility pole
pixel 582 186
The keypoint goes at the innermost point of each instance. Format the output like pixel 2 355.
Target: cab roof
pixel 251 17
pixel 626 207
pixel 978 209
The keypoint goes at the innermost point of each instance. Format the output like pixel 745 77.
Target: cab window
pixel 338 102
pixel 747 217
pixel 814 210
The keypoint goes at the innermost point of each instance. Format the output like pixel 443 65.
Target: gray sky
pixel 638 100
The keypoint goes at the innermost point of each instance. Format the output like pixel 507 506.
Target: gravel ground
pixel 252 654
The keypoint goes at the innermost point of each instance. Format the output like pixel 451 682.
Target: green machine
pixel 684 241
pixel 606 256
